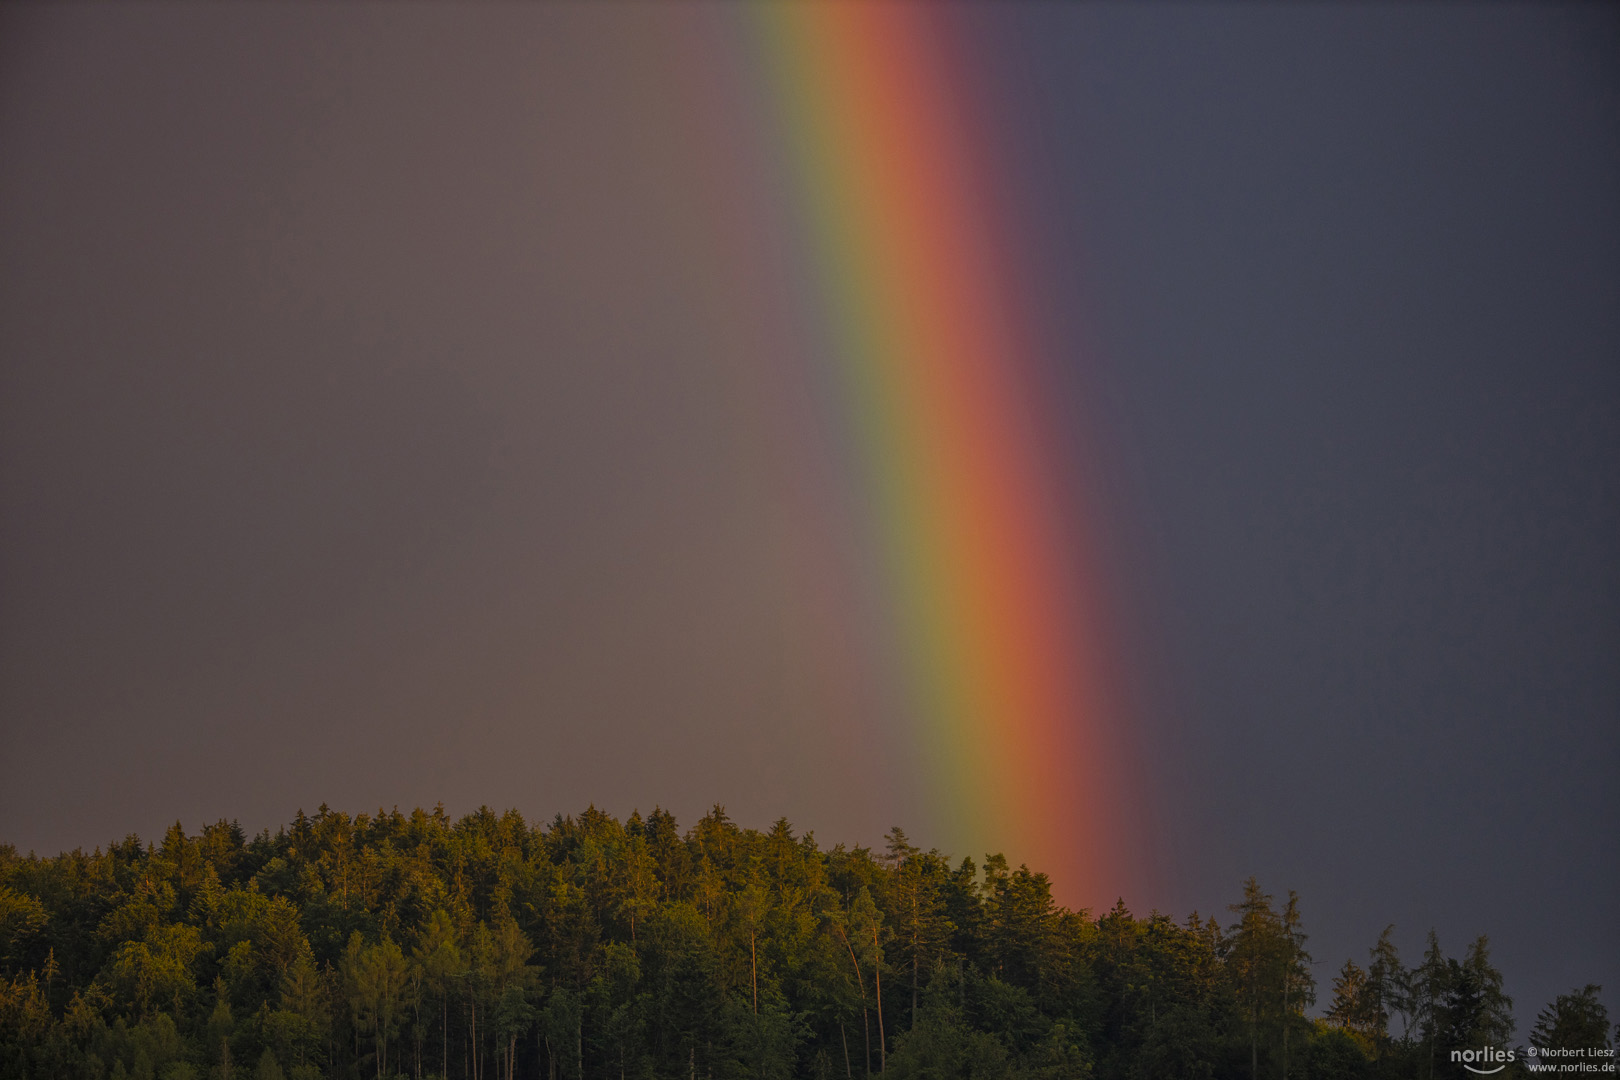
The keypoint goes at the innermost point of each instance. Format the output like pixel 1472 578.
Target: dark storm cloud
pixel 1355 274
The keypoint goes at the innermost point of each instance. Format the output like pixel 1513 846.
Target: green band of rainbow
pixel 916 289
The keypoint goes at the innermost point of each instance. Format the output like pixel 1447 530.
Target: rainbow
pixel 909 283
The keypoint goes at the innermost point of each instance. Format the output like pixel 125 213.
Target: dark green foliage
pixel 413 945
pixel 1336 1054
pixel 1574 1021
pixel 943 1046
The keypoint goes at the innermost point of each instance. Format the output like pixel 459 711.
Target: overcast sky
pixel 359 441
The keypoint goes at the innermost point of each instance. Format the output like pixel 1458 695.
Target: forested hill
pixel 409 944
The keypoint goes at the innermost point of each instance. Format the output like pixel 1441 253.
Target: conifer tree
pixel 591 947
pixel 1573 1021
pixel 1298 984
pixel 1254 965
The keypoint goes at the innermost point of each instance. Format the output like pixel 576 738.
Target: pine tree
pixel 1389 984
pixel 1431 983
pixel 1574 1021
pixel 720 952
pixel 1353 1002
pixel 1298 984
pixel 439 959
pixel 1253 965
pixel 1492 1021
pixel 268 1068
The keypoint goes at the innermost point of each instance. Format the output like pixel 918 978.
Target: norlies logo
pixel 1488 1056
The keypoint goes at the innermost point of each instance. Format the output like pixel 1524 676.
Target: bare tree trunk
pixel 1286 981
pixel 916 916
pixel 866 1023
pixel 753 963
pixel 1254 1017
pixel 1254 1047
pixel 877 979
pixel 848 1072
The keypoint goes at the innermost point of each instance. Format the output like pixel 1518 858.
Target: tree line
pixel 412 945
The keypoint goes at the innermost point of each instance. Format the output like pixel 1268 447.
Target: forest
pixel 485 948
